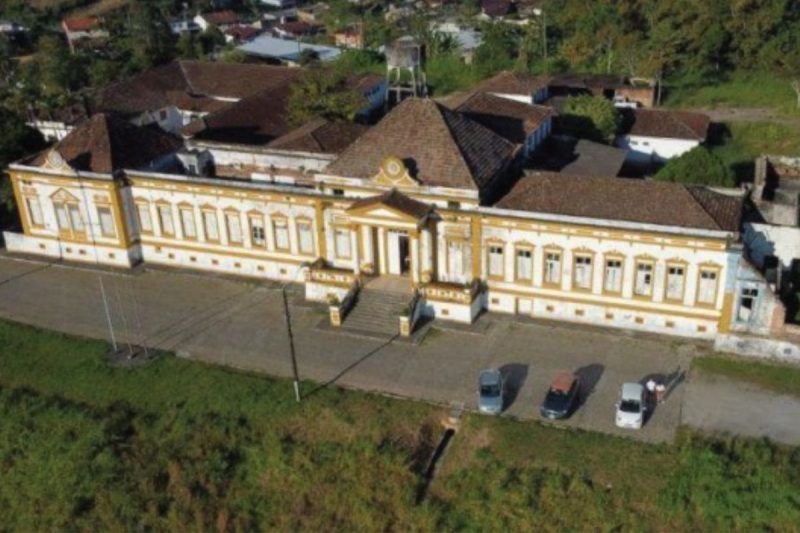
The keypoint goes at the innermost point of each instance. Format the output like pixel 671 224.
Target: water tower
pixel 404 73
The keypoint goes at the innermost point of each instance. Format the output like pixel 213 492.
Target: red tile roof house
pixel 651 135
pixel 220 19
pixel 81 30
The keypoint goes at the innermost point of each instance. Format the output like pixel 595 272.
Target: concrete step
pixel 376 311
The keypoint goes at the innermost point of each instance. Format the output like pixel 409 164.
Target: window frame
pixel 559 252
pixel 523 248
pixel 642 261
pixel 187 209
pixel 621 260
pixel 29 198
pixel 162 207
pixel 231 215
pixel 106 207
pixel 144 205
pixel 210 213
pixel 348 233
pixel 685 271
pixel 281 222
pixel 717 271
pixel 299 224
pixel 576 256
pixel 495 245
pixel 253 220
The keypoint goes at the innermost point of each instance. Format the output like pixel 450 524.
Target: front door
pixel 397 251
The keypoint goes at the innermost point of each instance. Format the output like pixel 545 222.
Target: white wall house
pixel 651 135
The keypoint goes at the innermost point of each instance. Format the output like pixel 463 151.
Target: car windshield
pixel 558 393
pixel 490 390
pixel 629 406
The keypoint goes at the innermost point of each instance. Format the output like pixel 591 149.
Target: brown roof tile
pixel 508 82
pixel 106 143
pixel 200 83
pixel 221 18
pixel 666 123
pixel 629 200
pixel 320 136
pixel 507 118
pixel 440 147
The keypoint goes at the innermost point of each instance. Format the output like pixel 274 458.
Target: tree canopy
pixel 698 166
pixel 589 117
pixel 322 93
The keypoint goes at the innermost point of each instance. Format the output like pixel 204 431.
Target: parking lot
pixel 241 324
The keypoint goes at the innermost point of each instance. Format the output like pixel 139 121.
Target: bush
pixel 698 166
pixel 589 117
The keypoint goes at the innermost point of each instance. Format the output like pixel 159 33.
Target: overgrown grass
pixel 776 377
pixel 738 90
pixel 178 445
pixel 738 144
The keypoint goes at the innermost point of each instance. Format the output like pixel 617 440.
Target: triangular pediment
pixel 394 173
pixel 391 205
pixel 63 195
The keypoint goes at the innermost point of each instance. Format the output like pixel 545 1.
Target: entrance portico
pixel 394 235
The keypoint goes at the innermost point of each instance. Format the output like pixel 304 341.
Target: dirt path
pixel 747 114
pixel 715 403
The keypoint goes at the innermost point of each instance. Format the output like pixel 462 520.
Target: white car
pixel 631 406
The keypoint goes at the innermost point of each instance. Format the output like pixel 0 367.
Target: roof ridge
pixel 441 111
pixel 692 192
pixel 192 89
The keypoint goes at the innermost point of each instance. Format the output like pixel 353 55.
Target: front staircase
pixel 376 312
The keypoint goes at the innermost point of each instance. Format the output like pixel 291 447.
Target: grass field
pixel 177 445
pixel 764 90
pixel 779 378
pixel 740 143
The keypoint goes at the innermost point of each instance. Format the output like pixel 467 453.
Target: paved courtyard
pixel 241 324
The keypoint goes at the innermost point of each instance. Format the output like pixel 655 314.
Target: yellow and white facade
pixel 332 231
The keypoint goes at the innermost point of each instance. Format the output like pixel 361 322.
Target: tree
pixel 698 166
pixel 322 93
pixel 188 46
pixel 497 50
pixel 589 117
pixel 16 140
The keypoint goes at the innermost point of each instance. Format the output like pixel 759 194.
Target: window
pixel 187 223
pixel 338 192
pixel 234 226
pixel 583 272
pixel 644 279
pixel 165 220
pixel 496 261
pixel 453 205
pixel 747 303
pixel 145 220
pixel 75 218
pixel 34 211
pixel 552 268
pixel 280 229
pixel 211 225
pixel 342 243
pixel 162 115
pixel 707 287
pixel 305 237
pixel 61 217
pixel 456 261
pixel 257 232
pixel 675 282
pixel 524 266
pixel 106 222
pixel 613 276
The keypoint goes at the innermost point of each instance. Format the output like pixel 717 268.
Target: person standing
pixel 651 390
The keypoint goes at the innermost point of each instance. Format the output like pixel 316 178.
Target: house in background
pixel 578 157
pixel 84 32
pixel 525 88
pixel 350 37
pixel 220 19
pixel 241 34
pixel 285 51
pixel 651 135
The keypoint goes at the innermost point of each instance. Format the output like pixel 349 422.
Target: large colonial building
pixel 428 199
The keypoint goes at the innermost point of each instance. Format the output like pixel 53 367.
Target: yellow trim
pixel 726 313
pixel 477 256
pixel 26 228
pixel 566 298
pixel 124 232
pixel 232 253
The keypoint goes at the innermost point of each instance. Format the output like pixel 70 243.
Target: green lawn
pixel 776 377
pixel 178 445
pixel 740 143
pixel 739 90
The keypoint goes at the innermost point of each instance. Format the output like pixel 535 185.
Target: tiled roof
pixel 81 23
pixel 621 199
pixel 496 8
pixel 106 143
pixel 666 124
pixel 221 17
pixel 440 147
pixel 508 82
pixel 262 117
pixel 320 136
pixel 508 118
pixel 198 82
pixel 396 200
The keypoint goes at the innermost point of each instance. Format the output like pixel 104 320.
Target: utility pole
pixel 108 314
pixel 288 317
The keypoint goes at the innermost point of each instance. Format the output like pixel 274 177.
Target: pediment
pixel 55 161
pixel 379 210
pixel 63 195
pixel 394 173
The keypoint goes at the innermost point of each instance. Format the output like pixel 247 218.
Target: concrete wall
pixel 643 149
pixel 71 251
pixel 764 239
